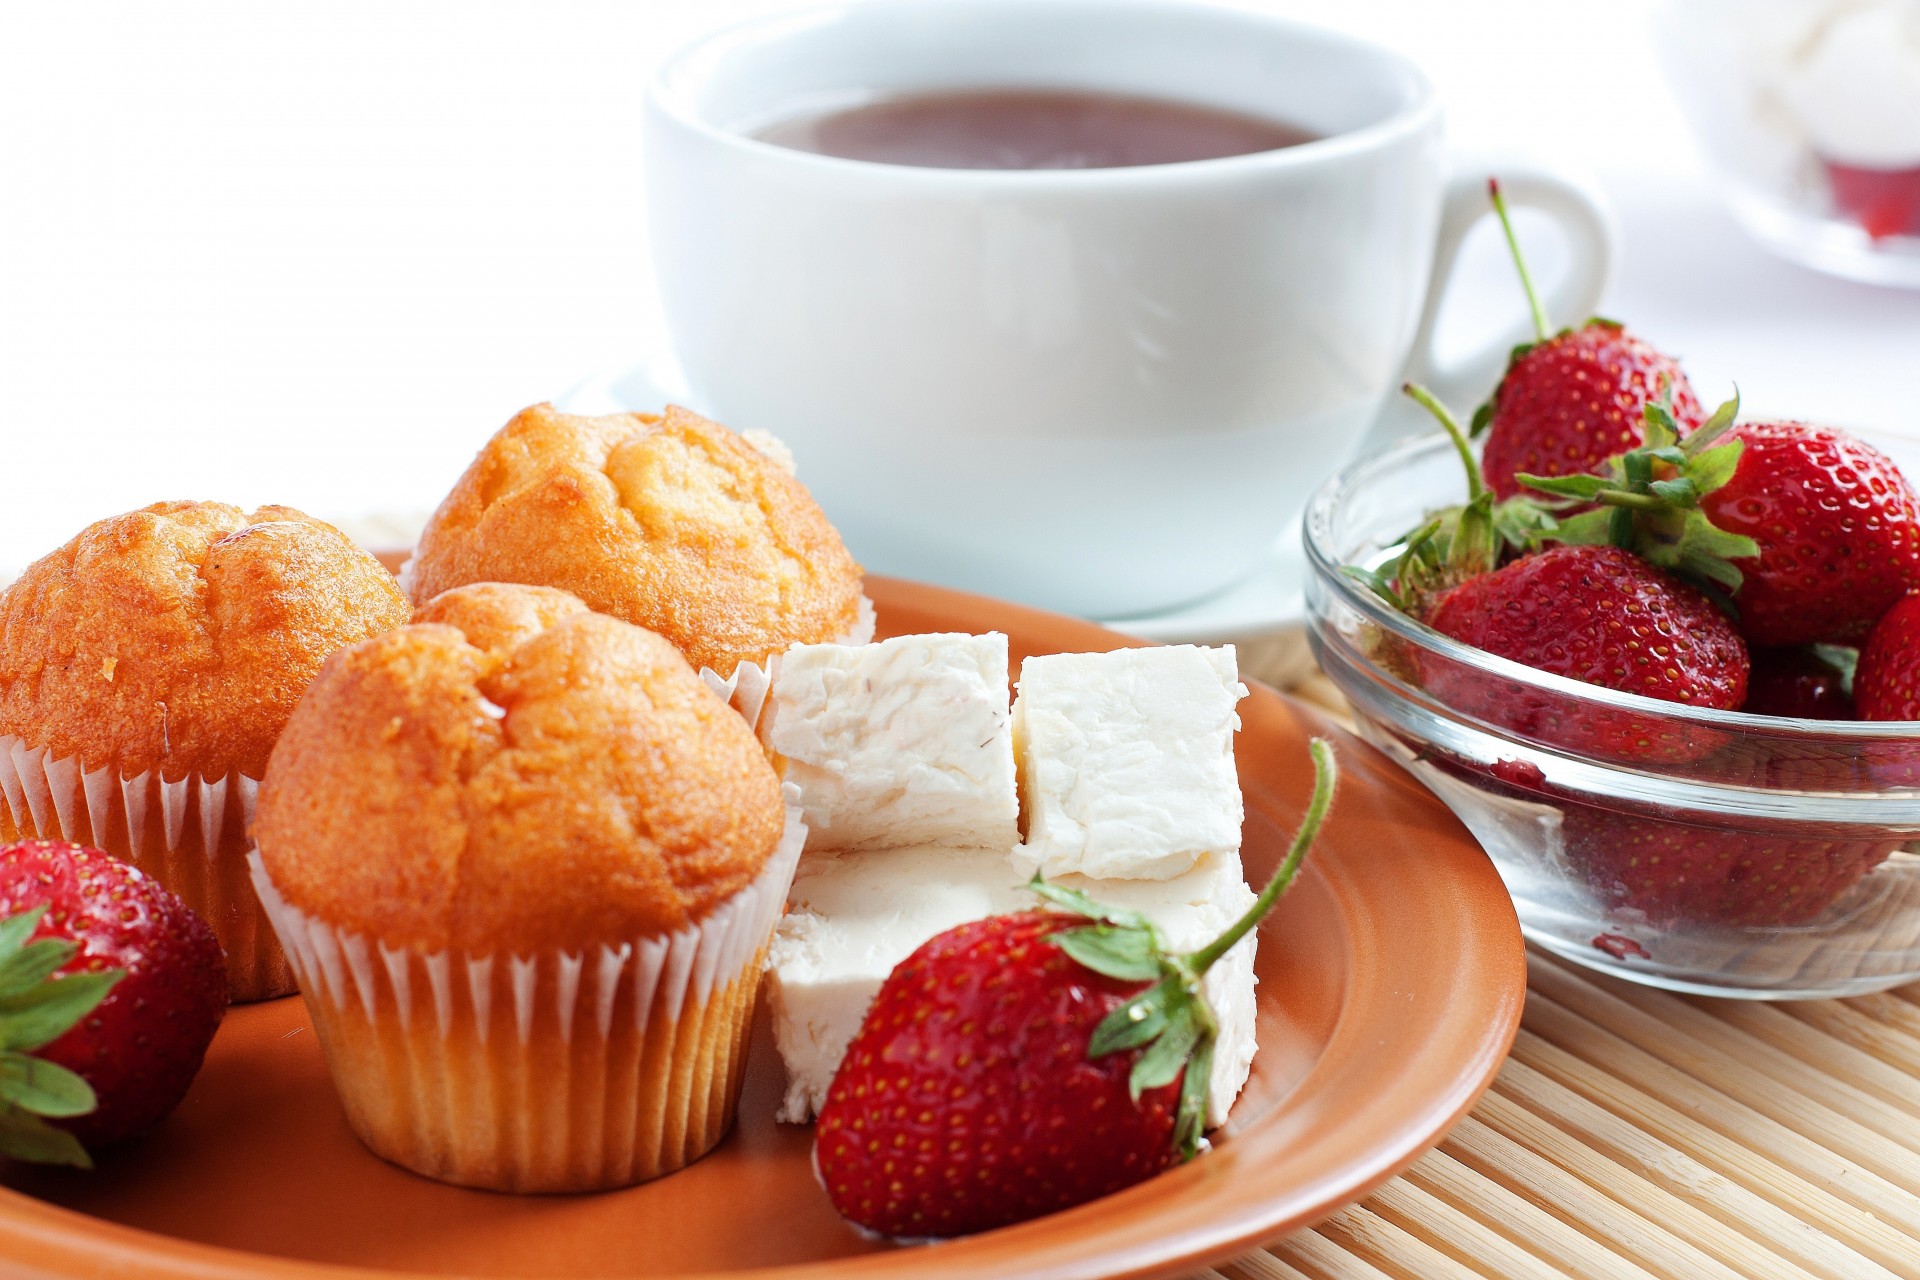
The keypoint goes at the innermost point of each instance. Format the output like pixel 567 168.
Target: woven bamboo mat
pixel 1635 1133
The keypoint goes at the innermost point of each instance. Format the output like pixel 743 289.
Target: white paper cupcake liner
pixel 190 834
pixel 558 1071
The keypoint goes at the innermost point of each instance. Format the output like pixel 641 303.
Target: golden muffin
pixel 146 669
pixel 527 865
pixel 668 521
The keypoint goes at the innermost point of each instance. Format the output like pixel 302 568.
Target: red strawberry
pixel 1886 684
pixel 1021 1065
pixel 1814 534
pixel 1677 873
pixel 1603 616
pixel 1838 529
pixel 1571 400
pixel 1797 682
pixel 968 1100
pixel 112 931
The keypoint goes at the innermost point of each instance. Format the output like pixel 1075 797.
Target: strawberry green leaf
pixel 42 1087
pixel 1473 549
pixel 1163 1060
pixel 1712 468
pixel 1680 491
pixel 1663 431
pixel 17 928
pixel 32 965
pixel 1842 658
pixel 1082 905
pixel 1135 1022
pixel 1376 582
pixel 1583 487
pixel 1705 551
pixel 1481 420
pixel 1131 955
pixel 45 1013
pixel 25 1136
pixel 1522 523
pixel 1190 1121
pixel 1716 424
pixel 1650 501
pixel 1588 529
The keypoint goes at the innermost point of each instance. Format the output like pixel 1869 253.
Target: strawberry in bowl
pixel 1571 400
pixel 1634 679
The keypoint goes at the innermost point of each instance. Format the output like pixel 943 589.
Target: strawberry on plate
pixel 1573 399
pixel 112 986
pixel 1024 1064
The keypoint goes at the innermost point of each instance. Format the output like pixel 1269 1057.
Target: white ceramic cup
pixel 1101 391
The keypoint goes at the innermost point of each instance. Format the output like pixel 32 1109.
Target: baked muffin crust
pixel 671 522
pixel 180 636
pixel 485 783
pixel 499 616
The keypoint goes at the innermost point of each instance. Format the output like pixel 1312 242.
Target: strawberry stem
pixel 1476 485
pixel 1540 327
pixel 1621 498
pixel 1325 774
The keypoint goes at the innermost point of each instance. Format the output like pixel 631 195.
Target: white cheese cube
pixel 1126 761
pixel 853 916
pixel 904 742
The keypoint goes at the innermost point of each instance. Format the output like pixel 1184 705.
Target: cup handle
pixel 1591 239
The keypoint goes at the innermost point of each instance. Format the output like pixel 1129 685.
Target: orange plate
pixel 1391 982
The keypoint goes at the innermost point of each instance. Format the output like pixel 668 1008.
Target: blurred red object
pixel 1885 202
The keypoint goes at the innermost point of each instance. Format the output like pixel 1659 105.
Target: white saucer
pixel 1271 600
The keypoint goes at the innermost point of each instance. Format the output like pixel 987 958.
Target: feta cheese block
pixel 904 742
pixel 853 916
pixel 1126 761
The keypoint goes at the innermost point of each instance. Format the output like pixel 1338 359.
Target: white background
pixel 315 254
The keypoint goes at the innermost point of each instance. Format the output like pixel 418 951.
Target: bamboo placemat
pixel 1636 1133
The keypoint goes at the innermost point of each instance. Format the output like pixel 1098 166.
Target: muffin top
pixel 179 636
pixel 671 522
pixel 513 773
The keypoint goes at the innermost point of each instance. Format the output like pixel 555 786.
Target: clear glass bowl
pixel 1809 112
pixel 1706 851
